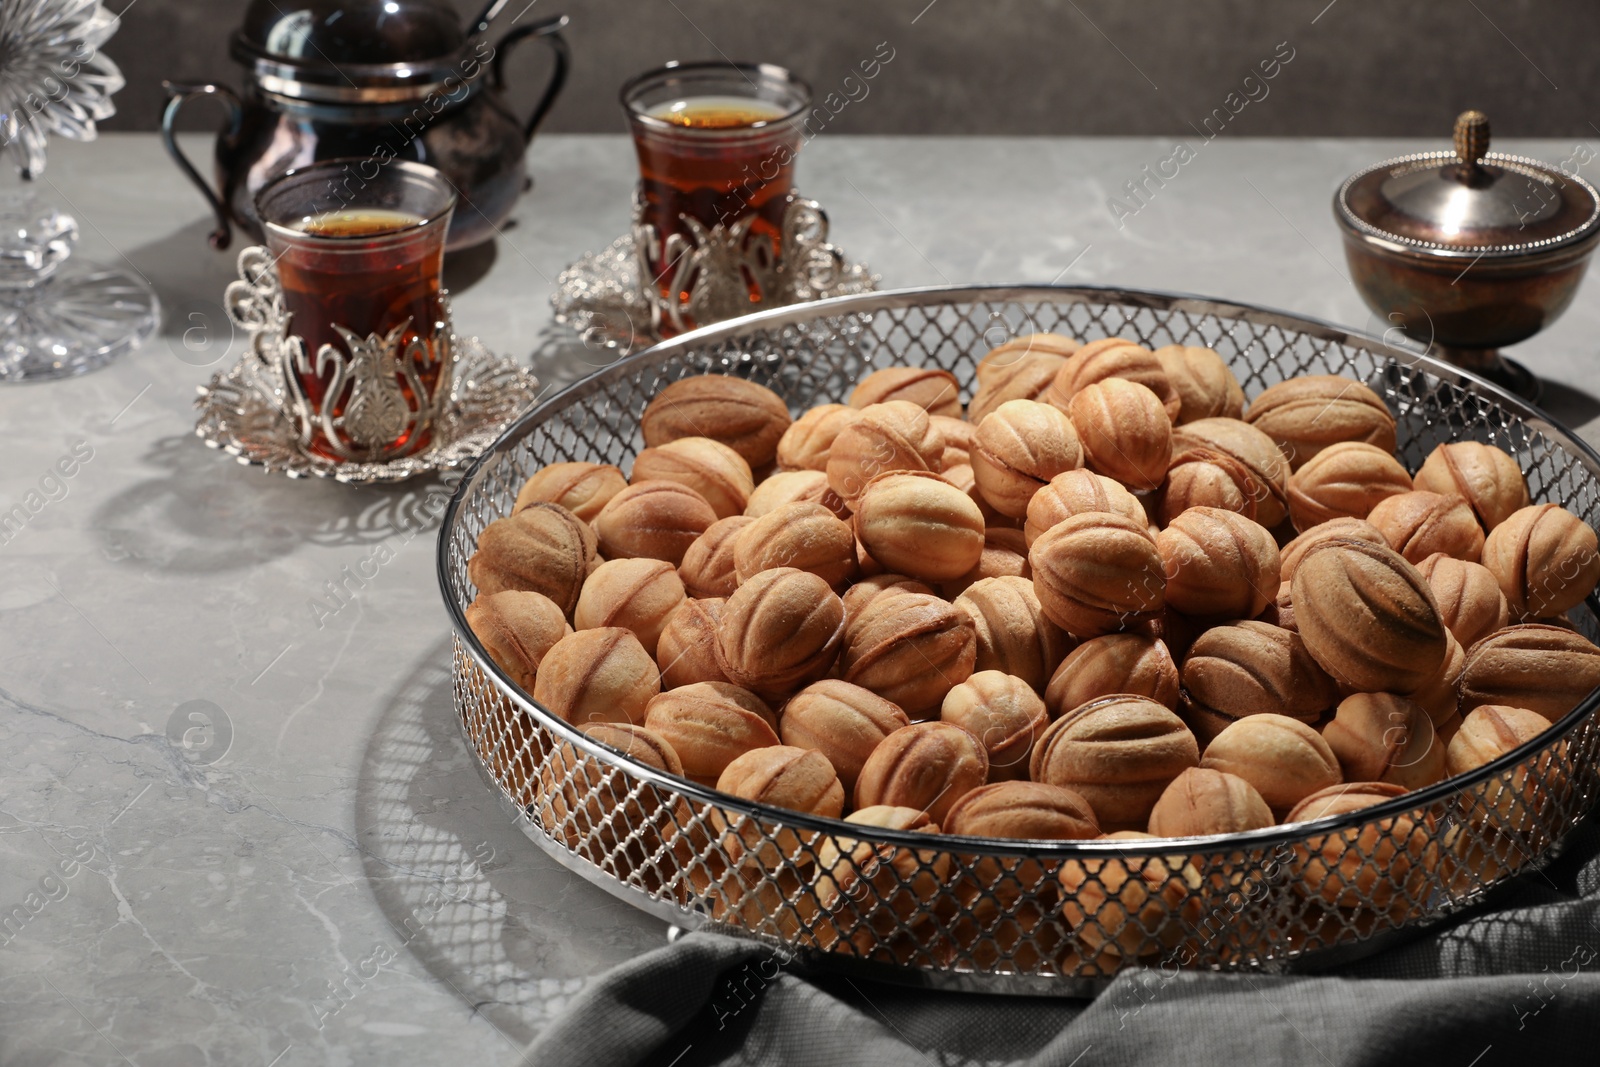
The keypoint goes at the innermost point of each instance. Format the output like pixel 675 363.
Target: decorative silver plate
pixel 599 296
pixel 258 413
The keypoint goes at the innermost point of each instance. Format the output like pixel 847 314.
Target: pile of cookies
pixel 1108 597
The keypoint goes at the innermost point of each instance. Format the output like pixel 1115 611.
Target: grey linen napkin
pixel 1512 982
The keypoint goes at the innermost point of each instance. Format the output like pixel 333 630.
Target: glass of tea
pixel 358 245
pixel 717 144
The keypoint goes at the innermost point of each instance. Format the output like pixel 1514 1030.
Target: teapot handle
pixel 549 31
pixel 177 96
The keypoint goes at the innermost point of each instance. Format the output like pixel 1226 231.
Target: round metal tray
pixel 985 914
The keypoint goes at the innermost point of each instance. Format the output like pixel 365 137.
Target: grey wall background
pixel 1360 67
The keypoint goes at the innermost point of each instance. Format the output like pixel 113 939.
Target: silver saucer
pixel 240 416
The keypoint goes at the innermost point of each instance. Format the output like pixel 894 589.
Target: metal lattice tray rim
pixel 985 846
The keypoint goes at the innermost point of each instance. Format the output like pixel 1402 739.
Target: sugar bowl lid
pixel 1470 203
pixel 350 50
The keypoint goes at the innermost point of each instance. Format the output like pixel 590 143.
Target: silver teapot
pixel 374 80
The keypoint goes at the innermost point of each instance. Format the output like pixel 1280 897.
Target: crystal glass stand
pixel 59 316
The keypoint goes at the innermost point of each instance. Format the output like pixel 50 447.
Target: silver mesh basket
pixel 1015 916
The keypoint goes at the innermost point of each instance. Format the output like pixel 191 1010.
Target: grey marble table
pixel 318 876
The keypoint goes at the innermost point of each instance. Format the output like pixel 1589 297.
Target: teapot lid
pixel 1468 203
pixel 353 50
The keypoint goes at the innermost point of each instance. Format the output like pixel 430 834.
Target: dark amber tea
pixel 368 287
pixel 717 147
pixel 361 286
pixel 358 285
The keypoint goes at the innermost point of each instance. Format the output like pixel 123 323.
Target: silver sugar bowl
pixel 1469 250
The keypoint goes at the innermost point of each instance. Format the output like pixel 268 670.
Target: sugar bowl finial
pixel 1472 141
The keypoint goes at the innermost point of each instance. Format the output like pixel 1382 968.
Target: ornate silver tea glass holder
pixel 609 297
pixel 259 412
